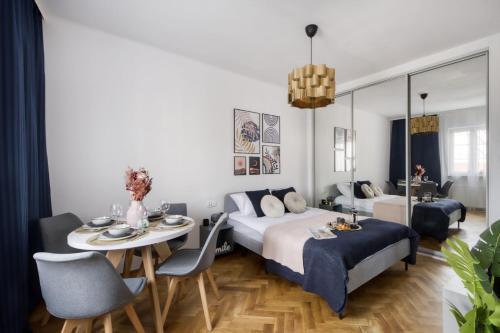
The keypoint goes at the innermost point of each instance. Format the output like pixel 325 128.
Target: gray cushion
pixel 272 206
pixel 181 263
pixel 136 285
pixel 295 202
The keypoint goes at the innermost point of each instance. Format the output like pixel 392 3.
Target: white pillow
pixel 367 191
pixel 244 204
pixel 345 189
pixel 272 206
pixel 295 202
pixel 377 190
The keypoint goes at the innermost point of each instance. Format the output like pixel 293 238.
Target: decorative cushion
pixel 272 206
pixel 358 193
pixel 377 190
pixel 244 204
pixel 345 189
pixel 255 198
pixel 280 194
pixel 295 202
pixel 361 182
pixel 367 191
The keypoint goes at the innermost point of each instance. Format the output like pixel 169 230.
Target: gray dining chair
pixel 54 231
pixel 427 187
pixel 445 189
pixel 173 244
pixel 188 263
pixel 391 187
pixel 81 287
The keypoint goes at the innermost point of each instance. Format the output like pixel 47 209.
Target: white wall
pixel 373 146
pixel 337 115
pixel 492 44
pixel 373 133
pixel 113 103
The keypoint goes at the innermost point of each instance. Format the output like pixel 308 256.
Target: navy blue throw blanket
pixel 326 262
pixel 432 218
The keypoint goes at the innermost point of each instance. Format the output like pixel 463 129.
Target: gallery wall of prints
pixel 257 141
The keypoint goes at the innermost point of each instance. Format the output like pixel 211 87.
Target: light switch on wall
pixel 212 203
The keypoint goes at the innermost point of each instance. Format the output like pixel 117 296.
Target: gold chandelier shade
pixel 424 124
pixel 311 86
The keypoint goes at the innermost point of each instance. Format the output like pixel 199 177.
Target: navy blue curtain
pixel 24 177
pixel 424 151
pixel 397 160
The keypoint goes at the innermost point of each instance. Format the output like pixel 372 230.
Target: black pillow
pixel 362 182
pixel 255 198
pixel 357 191
pixel 280 194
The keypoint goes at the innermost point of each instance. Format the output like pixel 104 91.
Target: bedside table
pixel 332 207
pixel 225 243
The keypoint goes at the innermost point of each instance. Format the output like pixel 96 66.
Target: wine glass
pixel 116 211
pixel 164 206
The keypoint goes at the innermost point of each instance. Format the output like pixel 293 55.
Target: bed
pixel 394 209
pixel 363 205
pixel 252 233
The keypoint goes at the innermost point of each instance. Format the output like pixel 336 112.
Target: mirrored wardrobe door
pixel 449 152
pixel 332 149
pixel 379 131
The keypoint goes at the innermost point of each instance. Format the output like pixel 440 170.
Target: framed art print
pixel 246 132
pixel 240 165
pixel 254 165
pixel 271 164
pixel 270 129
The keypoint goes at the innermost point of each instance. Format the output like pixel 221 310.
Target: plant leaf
pixel 494 318
pixel 459 317
pixel 487 249
pixel 469 325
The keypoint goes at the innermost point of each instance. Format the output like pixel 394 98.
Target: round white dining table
pixel 116 252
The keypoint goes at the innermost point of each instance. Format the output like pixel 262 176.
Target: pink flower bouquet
pixel 138 183
pixel 420 170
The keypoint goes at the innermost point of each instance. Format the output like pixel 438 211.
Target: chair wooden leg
pixel 204 303
pixel 127 265
pixel 108 324
pixel 134 319
pixel 212 283
pixel 77 325
pixel 171 292
pixel 90 326
pixel 68 326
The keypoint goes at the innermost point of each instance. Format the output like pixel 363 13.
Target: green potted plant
pixel 478 268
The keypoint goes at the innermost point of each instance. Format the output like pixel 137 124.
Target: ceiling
pixel 456 86
pixel 265 39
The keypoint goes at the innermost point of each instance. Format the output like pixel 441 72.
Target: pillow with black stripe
pixel 358 193
pixel 280 194
pixel 255 198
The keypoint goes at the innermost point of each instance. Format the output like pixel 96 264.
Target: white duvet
pixel 260 224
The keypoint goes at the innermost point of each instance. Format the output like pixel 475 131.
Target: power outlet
pixel 212 203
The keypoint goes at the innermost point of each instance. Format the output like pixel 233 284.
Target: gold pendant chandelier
pixel 424 124
pixel 311 86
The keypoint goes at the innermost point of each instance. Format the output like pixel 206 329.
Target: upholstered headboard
pixel 229 205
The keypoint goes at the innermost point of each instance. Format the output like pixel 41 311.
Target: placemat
pixel 95 241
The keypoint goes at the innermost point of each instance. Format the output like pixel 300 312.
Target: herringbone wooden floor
pixel 253 301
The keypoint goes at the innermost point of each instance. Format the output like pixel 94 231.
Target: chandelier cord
pixel 311 51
